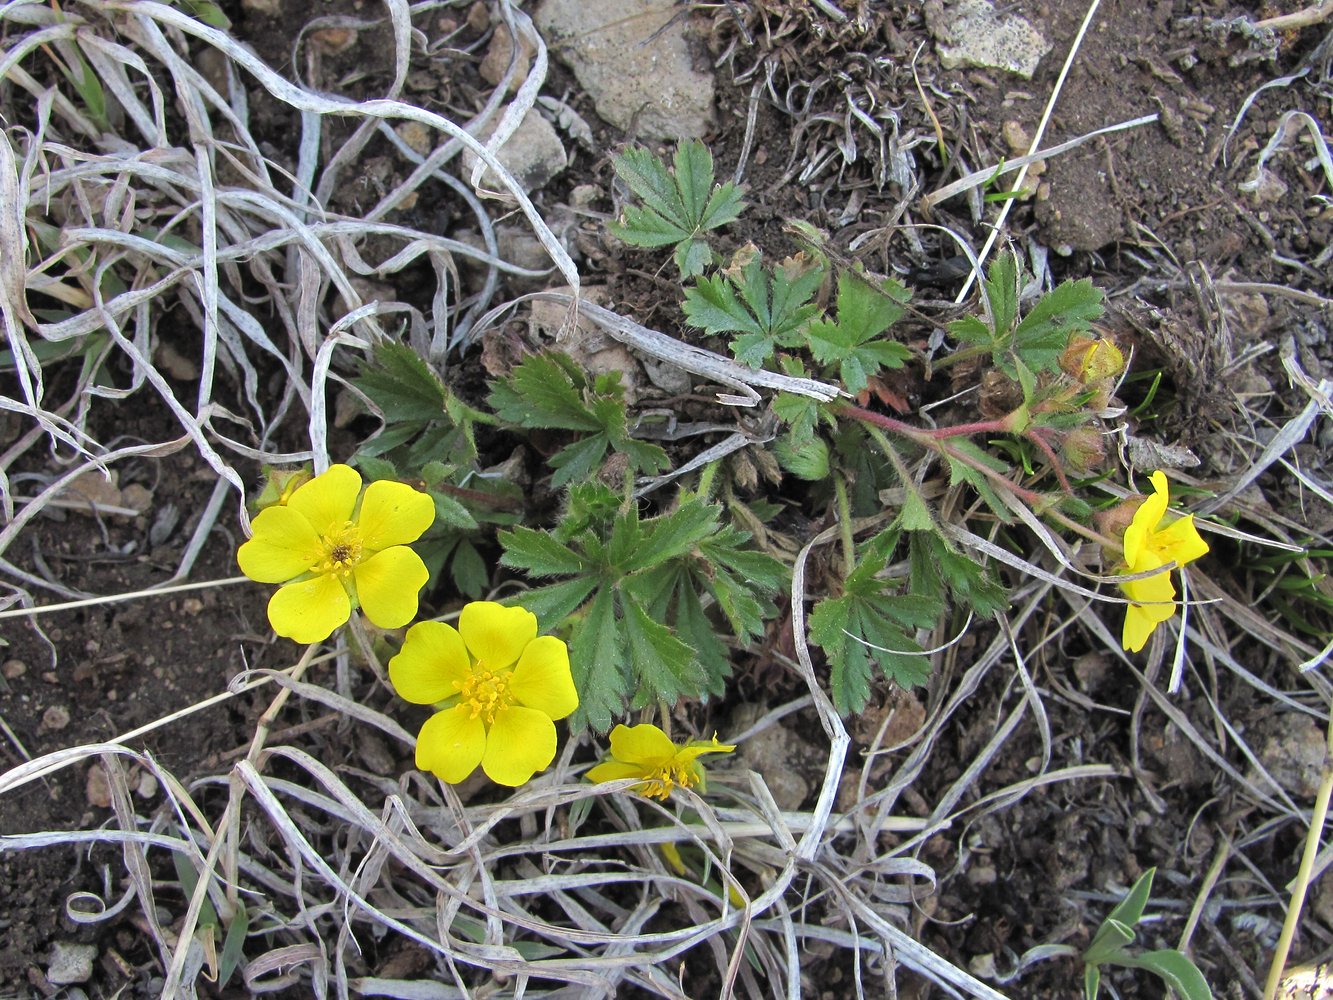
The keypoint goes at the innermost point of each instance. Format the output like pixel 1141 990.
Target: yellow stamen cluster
pixel 485 692
pixel 659 783
pixel 342 550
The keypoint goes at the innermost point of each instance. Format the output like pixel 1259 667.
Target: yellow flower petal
pixel 495 635
pixel 1180 542
pixel 327 500
pixel 283 547
pixel 1138 536
pixel 309 611
pixel 451 744
pixel 393 514
pixel 387 585
pixel 1154 599
pixel 519 744
pixel 698 748
pixel 614 770
pixel 643 744
pixel 1140 623
pixel 542 679
pixel 431 665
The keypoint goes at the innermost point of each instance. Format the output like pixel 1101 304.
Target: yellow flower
pixel 1148 546
pixel 647 753
pixel 499 687
pixel 336 548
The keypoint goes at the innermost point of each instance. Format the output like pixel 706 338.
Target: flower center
pixel 660 781
pixel 342 550
pixel 486 692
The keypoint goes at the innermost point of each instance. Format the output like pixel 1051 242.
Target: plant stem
pixel 845 525
pixel 1302 881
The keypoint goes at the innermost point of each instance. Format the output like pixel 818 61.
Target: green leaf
pixel 209 13
pixel 233 943
pixel 1092 982
pixel 450 512
pixel 808 459
pixel 401 384
pixel 555 602
pixel 1176 970
pixel 1001 288
pixel 544 391
pixel 679 205
pixel 915 515
pixel 468 570
pixel 578 460
pixel 864 312
pixel 674 534
pixel 538 553
pixel 666 668
pixel 1044 333
pixel 849 677
pixel 1130 909
pixel 595 659
pixel 768 307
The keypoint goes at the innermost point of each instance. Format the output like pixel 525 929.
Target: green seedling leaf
pixel 233 944
pixel 864 312
pixel 401 384
pixel 1176 970
pixel 679 205
pixel 768 307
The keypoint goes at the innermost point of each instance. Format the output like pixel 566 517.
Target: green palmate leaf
pixel 665 667
pixel 538 553
pixel 768 307
pixel 672 535
pixel 937 569
pixel 595 659
pixel 544 391
pixel 915 515
pixel 555 602
pixel 870 624
pixel 550 391
pixel 679 205
pixel 1044 333
pixel 864 312
pixel 401 384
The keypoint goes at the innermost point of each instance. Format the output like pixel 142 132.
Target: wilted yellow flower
pixel 498 686
pixel 1093 361
pixel 647 753
pixel 1148 546
pixel 336 548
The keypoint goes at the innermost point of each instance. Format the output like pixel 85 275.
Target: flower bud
pixel 1083 450
pixel 1092 361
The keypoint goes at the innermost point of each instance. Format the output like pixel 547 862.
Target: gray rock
pixel 974 33
pixel 71 963
pixel 633 59
pixel 533 154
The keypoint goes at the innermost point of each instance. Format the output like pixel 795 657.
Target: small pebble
pixel 55 718
pixel 70 963
pixel 147 787
pixel 13 669
pixel 98 787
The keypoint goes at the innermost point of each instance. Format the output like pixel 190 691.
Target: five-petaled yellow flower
pixel 1148 546
pixel 647 753
pixel 498 686
pixel 336 548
